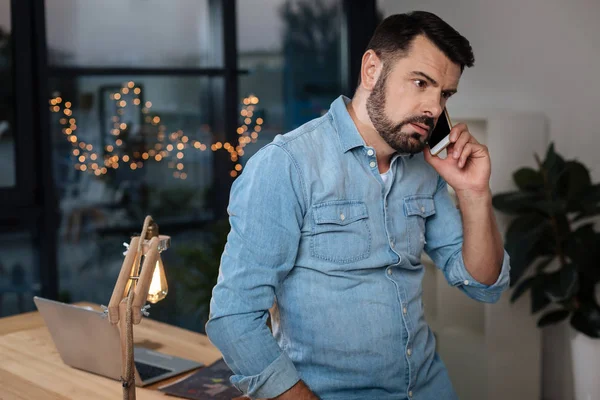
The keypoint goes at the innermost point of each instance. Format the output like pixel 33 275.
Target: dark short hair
pixel 394 35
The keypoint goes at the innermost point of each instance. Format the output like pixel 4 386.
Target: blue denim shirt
pixel 314 228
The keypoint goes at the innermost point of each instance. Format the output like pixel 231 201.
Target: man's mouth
pixel 422 129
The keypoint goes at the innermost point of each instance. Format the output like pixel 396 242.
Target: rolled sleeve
pixel 459 276
pixel 444 243
pixel 277 378
pixel 266 211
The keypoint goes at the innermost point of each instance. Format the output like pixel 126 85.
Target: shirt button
pixel 410 394
pixel 372 164
pixel 370 152
pixel 389 271
pixel 409 352
pixel 466 282
pixel 404 310
pixel 342 217
pixel 422 209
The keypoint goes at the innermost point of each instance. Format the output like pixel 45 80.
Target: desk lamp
pixel 133 288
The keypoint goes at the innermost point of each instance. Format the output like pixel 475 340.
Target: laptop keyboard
pixel 148 371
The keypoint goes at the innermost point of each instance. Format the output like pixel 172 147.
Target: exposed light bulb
pixel 158 287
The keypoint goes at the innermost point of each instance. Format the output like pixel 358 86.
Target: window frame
pixel 32 204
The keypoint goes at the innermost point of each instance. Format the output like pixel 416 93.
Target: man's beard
pixel 406 143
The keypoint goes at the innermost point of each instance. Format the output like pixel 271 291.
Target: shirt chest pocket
pixel 341 233
pixel 417 208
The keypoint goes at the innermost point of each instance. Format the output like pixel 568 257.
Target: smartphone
pixel 440 136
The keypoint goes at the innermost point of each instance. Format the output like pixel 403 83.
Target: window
pixel 19 280
pixel 292 50
pixel 133 33
pixel 137 122
pixel 135 134
pixel 148 108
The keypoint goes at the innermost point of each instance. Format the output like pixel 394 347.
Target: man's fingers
pixel 456 131
pixel 460 143
pixel 467 151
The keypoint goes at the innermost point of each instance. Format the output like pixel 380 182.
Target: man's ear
pixel 370 70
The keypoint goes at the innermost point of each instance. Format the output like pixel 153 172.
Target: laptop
pixel 86 340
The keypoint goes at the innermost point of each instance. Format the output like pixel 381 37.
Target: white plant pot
pixel 585 354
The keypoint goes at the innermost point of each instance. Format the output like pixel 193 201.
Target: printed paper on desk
pixel 209 383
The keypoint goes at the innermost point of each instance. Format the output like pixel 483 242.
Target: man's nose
pixel 432 107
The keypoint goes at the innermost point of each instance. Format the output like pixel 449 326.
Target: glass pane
pixel 7 143
pixel 135 33
pixel 124 148
pixel 292 49
pixel 19 280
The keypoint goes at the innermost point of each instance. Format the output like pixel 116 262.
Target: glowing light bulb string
pixel 88 160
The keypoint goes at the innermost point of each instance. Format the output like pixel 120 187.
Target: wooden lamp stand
pixel 126 306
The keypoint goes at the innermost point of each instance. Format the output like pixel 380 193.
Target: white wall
pixel 532 55
pixel 492 351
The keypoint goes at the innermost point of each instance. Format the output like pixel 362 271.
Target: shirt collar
pixel 344 125
pixel 346 129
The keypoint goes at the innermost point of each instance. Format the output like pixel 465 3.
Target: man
pixel 330 221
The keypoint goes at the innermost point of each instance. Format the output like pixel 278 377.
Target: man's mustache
pixel 417 119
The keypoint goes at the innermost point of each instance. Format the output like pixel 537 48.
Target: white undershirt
pixel 385 176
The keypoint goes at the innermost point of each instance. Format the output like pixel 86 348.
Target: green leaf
pixel 573 186
pixel 551 207
pixel 553 317
pixel 522 236
pixel 543 264
pixel 563 225
pixel 530 225
pixel 589 203
pixel 554 165
pixel 538 297
pixel 546 246
pixel 562 284
pixel 582 246
pixel 550 156
pixel 521 288
pixel 516 202
pixel 587 320
pixel 587 212
pixel 528 179
pixel 575 180
pixel 584 234
pixel 593 193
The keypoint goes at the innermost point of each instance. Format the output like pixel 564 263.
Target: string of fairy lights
pixel 167 147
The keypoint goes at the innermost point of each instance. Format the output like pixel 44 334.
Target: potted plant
pixel 555 254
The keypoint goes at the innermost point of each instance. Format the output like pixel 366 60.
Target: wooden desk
pixel 31 368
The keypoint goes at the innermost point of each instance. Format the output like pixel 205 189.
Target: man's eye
pixel 420 83
pixel 447 95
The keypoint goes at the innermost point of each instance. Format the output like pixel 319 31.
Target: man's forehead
pixel 425 57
